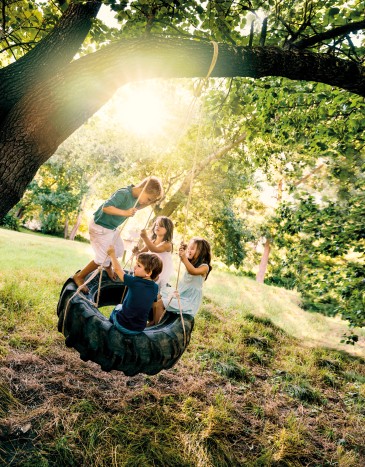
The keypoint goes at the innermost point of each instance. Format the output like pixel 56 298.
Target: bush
pixel 10 222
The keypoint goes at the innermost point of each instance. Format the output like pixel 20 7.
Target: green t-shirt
pixel 121 199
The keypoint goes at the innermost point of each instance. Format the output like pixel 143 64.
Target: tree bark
pixel 75 228
pixel 65 229
pixel 49 56
pixel 260 276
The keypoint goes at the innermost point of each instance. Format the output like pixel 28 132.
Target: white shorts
pixel 100 239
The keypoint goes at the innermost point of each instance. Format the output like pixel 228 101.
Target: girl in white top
pixel 161 244
pixel 196 257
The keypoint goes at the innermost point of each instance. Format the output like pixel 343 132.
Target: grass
pixel 240 295
pixel 261 383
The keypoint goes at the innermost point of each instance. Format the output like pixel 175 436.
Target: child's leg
pixel 79 277
pixel 158 311
pixel 110 271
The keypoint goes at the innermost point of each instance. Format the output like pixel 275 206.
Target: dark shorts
pixel 113 319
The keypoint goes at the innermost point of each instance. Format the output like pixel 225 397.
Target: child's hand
pixel 110 250
pixel 173 294
pixel 143 233
pixel 135 250
pixel 183 245
pixel 131 212
pixel 182 251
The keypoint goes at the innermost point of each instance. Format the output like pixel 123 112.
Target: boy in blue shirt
pixel 131 316
pixel 109 216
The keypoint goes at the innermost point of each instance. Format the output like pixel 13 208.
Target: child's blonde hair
pixel 153 186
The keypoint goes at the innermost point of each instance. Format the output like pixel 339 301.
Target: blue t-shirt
pixel 138 302
pixel 121 199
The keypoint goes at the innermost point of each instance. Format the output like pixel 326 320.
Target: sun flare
pixel 141 110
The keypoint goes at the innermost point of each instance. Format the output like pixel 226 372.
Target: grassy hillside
pixel 261 383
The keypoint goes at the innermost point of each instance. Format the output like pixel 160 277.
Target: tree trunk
pixel 260 276
pixel 65 230
pixel 75 228
pixel 49 56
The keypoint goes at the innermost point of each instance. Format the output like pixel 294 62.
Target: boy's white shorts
pixel 100 239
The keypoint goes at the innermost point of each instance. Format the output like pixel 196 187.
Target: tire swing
pixel 89 332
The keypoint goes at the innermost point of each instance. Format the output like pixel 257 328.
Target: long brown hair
pixel 165 222
pixel 204 255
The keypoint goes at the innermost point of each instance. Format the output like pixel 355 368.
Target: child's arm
pixel 117 268
pixel 201 270
pixel 114 211
pixel 164 246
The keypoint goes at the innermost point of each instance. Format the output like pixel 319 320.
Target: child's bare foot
pixel 79 281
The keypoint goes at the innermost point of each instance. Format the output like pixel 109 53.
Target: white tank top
pixel 168 268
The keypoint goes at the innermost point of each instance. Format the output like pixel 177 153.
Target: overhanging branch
pixel 331 34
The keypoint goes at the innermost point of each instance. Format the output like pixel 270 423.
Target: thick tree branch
pixel 88 83
pixel 331 34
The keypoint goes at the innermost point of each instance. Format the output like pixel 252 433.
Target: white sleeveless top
pixel 168 268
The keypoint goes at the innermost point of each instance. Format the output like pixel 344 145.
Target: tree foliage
pixel 322 254
pixel 54 197
pixel 230 236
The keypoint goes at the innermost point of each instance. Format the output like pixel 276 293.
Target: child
pixel 109 216
pixel 196 257
pixel 131 316
pixel 161 244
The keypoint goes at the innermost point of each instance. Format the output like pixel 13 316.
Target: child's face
pixel 192 250
pixel 146 199
pixel 159 229
pixel 139 270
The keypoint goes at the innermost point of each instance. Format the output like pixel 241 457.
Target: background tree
pixel 322 255
pixel 55 196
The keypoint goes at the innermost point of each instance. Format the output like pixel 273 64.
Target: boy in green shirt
pixel 110 215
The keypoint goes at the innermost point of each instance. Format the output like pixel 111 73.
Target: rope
pixel 145 227
pixel 197 93
pixel 204 81
pixel 77 292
